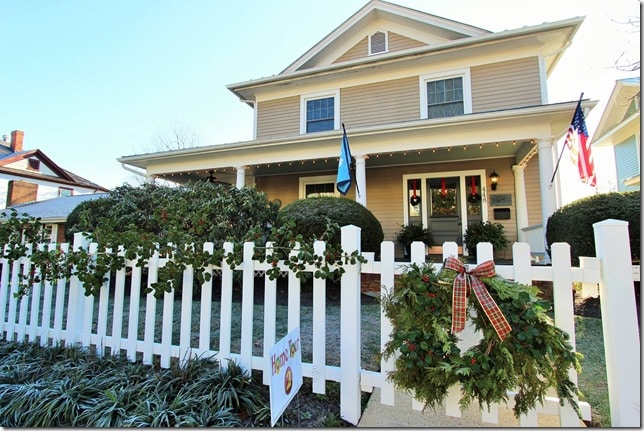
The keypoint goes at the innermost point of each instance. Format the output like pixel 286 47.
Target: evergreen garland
pixel 535 356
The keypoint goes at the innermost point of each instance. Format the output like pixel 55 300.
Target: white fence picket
pixel 185 324
pixel 248 299
pixel 270 314
pixel 133 318
pixel 206 305
pixel 46 307
pixel 386 288
pixel 4 290
pixel 21 330
pixel 57 333
pixel 319 327
pixel 226 309
pixel 293 294
pixel 150 309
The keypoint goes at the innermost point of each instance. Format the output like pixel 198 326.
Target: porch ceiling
pixel 494 150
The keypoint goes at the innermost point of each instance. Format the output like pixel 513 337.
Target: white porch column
pixel 521 200
pixel 546 169
pixel 241 176
pixel 361 180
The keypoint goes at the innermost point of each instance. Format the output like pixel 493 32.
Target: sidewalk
pixel 377 415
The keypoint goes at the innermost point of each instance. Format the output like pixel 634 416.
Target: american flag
pixel 580 153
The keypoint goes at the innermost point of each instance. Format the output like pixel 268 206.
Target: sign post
pixel 285 360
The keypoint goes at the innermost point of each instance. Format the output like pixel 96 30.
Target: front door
pixel 446 203
pixel 443 210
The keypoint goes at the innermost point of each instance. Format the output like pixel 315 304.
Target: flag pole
pixel 564 146
pixel 352 165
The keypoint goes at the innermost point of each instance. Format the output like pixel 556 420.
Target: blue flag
pixel 344 173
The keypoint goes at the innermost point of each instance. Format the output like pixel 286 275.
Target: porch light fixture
pixel 494 179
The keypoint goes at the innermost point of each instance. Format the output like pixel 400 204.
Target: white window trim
pixel 322 179
pixel 386 33
pixel 467 88
pixel 320 95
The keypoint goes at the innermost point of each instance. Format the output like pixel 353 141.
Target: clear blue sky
pixel 90 81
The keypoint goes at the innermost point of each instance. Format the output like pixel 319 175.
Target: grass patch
pixel 592 380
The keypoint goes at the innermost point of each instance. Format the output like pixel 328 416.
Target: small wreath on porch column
pixel 522 351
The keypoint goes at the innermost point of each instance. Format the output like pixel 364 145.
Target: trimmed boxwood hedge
pixel 311 216
pixel 573 223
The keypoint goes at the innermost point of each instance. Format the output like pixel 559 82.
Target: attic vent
pixel 377 43
pixel 33 164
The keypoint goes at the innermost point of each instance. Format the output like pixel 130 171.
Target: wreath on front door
pixel 521 350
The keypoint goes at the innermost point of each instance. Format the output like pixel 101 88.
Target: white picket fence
pixel 40 317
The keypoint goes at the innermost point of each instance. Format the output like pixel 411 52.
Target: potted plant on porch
pixel 413 232
pixel 485 232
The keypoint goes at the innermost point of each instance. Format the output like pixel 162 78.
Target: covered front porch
pixel 387 158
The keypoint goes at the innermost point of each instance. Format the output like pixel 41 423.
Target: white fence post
pixel 619 321
pixel 350 329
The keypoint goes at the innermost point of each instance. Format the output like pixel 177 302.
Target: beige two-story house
pixel 434 111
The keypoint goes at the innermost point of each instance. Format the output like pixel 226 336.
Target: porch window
pixel 323 185
pixel 320 112
pixel 445 95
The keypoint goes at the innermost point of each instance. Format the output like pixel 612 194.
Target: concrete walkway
pixel 402 415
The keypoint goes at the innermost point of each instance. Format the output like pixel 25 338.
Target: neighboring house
pixel 432 107
pixel 619 127
pixel 29 175
pixel 52 212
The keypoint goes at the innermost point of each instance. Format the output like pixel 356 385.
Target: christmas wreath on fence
pixel 521 350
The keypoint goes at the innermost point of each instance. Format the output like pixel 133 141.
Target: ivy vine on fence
pixel 23 235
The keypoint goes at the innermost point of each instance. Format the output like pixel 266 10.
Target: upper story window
pixel 378 43
pixel 445 95
pixel 320 112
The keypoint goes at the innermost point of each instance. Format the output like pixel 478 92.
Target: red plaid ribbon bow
pixel 459 299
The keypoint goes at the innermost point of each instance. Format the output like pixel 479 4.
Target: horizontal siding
pixel 627 162
pixel 359 50
pixel 380 103
pixel 280 117
pixel 508 84
pixel 398 42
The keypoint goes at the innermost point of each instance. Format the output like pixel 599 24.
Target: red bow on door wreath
pixel 466 278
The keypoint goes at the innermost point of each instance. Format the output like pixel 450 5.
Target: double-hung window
pixel 445 96
pixel 320 112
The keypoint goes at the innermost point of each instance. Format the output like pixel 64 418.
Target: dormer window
pixel 378 43
pixel 33 164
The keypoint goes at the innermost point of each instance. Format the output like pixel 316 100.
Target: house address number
pixel 501 200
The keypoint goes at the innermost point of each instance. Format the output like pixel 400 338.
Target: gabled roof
pixel 615 120
pixel 53 210
pixel 349 32
pixel 438 40
pixel 61 175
